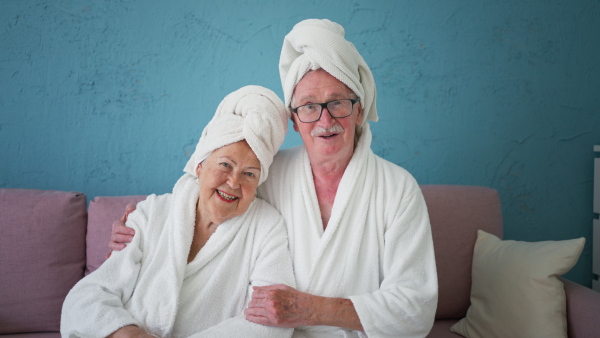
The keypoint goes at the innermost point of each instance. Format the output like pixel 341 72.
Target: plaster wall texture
pixel 110 97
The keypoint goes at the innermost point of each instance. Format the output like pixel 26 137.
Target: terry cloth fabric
pixel 150 283
pixel 377 248
pixel 251 113
pixel 314 44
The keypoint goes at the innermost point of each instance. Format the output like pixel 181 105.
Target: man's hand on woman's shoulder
pixel 121 234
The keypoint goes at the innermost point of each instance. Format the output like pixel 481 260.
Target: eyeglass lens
pixel 312 112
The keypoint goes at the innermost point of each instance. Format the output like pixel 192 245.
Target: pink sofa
pixel 49 241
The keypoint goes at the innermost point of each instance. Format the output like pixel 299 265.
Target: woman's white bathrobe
pixel 150 284
pixel 377 249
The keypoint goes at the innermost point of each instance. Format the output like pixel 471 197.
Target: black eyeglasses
pixel 337 109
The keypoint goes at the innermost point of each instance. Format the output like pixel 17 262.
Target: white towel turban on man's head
pixel 252 113
pixel 314 44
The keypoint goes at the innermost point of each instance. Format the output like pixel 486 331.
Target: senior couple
pixel 212 259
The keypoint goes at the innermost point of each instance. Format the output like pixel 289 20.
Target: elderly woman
pixel 198 251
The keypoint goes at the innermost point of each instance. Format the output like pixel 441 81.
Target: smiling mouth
pixel 328 135
pixel 226 197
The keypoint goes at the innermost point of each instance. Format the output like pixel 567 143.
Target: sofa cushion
pixel 441 329
pixel 583 307
pixel 456 213
pixel 102 213
pixel 516 292
pixel 34 335
pixel 42 250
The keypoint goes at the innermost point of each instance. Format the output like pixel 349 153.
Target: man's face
pixel 325 137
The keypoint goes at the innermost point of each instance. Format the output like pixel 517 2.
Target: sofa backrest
pixel 103 212
pixel 36 272
pixel 456 213
pixel 42 255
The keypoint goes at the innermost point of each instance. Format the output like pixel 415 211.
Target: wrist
pixel 320 310
pixel 316 310
pixel 340 312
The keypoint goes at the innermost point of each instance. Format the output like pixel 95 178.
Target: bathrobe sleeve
pixel 273 266
pixel 95 305
pixel 406 301
pixel 240 326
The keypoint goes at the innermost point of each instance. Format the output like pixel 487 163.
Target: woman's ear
pixel 198 169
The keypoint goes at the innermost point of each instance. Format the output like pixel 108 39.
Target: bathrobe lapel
pixel 167 263
pixel 346 225
pixel 220 240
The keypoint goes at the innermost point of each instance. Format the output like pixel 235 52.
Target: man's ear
pixel 359 116
pixel 295 124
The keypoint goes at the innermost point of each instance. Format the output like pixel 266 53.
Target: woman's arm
pixel 273 266
pixel 95 305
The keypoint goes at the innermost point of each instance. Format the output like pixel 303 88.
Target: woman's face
pixel 228 181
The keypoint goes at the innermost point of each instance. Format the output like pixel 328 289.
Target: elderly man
pixel 358 225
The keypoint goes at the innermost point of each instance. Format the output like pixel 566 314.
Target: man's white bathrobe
pixel 151 285
pixel 377 248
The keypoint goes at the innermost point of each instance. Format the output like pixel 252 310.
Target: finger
pixel 118 227
pixel 129 208
pixel 256 313
pixel 258 294
pixel 256 303
pixel 116 246
pixel 271 287
pixel 121 239
pixel 118 223
pixel 108 254
pixel 258 320
pixel 262 289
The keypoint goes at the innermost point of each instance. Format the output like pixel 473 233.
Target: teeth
pixel 226 196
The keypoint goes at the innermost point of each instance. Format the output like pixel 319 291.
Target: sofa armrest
pixel 583 307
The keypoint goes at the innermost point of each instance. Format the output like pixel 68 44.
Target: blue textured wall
pixel 110 97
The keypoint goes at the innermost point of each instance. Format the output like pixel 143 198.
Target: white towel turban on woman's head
pixel 314 44
pixel 252 113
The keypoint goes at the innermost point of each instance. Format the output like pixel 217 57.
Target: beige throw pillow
pixel 515 290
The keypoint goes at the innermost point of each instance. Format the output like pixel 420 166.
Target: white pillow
pixel 515 291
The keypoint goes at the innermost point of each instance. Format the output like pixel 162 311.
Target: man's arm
pixel 406 301
pixel 404 304
pixel 281 305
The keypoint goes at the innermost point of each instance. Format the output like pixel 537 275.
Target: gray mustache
pixel 319 131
